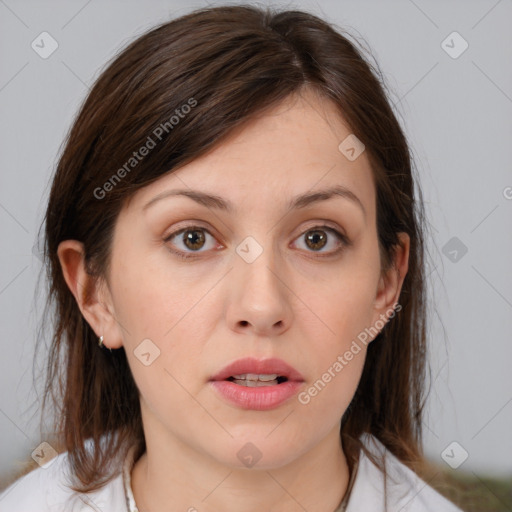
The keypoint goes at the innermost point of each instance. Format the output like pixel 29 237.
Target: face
pixel 198 284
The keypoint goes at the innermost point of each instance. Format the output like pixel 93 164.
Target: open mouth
pixel 253 380
pixel 256 384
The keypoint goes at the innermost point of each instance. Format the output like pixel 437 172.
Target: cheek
pixel 335 386
pixel 165 396
pixel 328 396
pixel 167 383
pixel 155 307
pixel 155 298
pixel 344 306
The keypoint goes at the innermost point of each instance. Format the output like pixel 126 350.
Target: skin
pixel 210 310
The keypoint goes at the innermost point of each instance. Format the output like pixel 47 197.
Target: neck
pixel 190 481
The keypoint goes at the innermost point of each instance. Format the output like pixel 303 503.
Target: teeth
pixel 268 378
pixel 255 383
pixel 254 380
pixel 256 377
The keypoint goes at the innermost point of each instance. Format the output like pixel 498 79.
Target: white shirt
pixel 45 490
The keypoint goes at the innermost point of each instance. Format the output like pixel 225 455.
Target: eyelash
pixel 345 242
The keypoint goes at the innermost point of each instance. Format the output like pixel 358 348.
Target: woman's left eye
pixel 317 238
pixel 194 238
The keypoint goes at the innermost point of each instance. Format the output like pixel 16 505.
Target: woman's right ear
pixel 71 257
pixel 88 294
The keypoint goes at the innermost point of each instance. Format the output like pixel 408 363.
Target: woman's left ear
pixel 390 283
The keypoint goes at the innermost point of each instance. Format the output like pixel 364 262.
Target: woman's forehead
pixel 296 147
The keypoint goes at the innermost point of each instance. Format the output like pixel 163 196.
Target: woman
pixel 233 221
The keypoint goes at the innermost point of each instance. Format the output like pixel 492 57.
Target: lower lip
pixel 258 398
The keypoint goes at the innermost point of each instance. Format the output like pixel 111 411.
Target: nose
pixel 259 301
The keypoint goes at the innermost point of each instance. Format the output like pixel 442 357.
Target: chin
pixel 259 451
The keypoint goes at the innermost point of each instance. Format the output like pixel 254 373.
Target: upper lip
pixel 259 366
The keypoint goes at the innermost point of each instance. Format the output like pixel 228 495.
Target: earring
pixel 100 343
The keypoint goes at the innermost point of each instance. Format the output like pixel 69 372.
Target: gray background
pixel 457 113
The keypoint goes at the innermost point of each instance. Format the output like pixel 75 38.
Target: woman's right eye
pixel 191 238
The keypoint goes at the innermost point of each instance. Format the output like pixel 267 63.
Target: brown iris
pixel 317 238
pixel 193 238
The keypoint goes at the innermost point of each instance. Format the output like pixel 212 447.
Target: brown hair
pixel 228 64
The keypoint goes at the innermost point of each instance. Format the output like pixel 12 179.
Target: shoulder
pixel 47 489
pixel 403 490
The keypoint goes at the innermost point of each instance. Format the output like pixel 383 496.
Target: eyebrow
pixel 298 202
